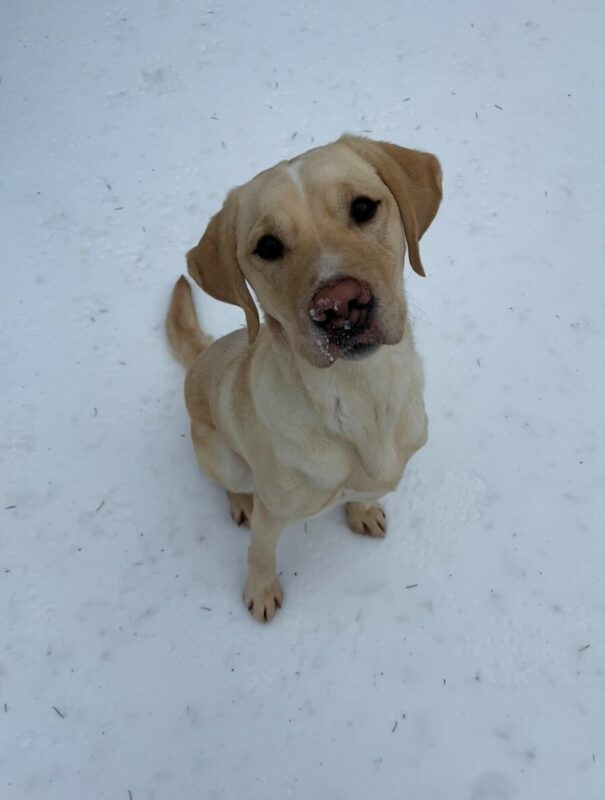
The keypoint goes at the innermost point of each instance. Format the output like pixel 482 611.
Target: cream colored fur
pixel 285 424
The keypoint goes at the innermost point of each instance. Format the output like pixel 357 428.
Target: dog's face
pixel 321 239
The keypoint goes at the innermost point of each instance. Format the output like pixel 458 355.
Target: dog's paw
pixel 367 521
pixel 263 599
pixel 240 506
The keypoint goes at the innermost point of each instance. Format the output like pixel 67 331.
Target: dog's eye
pixel 269 247
pixel 363 209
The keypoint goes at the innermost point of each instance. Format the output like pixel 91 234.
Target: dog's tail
pixel 185 337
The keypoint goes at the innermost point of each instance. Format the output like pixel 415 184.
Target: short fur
pixel 279 417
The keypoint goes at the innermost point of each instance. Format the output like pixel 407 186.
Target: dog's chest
pixel 347 434
pixel 371 427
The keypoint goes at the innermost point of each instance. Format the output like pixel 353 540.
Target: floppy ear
pixel 413 177
pixel 212 263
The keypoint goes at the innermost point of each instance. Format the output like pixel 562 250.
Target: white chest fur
pixel 334 434
pixel 376 407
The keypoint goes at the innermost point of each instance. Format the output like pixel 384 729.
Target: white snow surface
pixel 462 658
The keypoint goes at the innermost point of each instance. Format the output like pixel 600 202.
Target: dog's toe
pixel 263 600
pixel 368 521
pixel 240 506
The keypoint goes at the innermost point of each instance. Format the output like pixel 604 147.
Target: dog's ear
pixel 213 264
pixel 413 177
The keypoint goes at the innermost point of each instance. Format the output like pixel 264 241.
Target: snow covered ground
pixel 462 658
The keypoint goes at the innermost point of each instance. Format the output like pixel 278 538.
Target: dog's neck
pixel 344 376
pixel 361 402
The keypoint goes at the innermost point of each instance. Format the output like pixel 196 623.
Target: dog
pixel 322 403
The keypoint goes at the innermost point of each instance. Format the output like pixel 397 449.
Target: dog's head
pixel 321 240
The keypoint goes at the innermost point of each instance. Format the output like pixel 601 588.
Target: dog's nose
pixel 342 305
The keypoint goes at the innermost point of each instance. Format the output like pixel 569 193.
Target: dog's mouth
pixel 356 350
pixel 349 343
pixel 356 341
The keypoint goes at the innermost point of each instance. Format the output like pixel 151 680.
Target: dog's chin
pixel 357 351
pixel 327 350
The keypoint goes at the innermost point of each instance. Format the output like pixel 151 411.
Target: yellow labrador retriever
pixel 322 403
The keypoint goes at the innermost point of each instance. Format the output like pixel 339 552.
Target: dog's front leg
pixel 263 594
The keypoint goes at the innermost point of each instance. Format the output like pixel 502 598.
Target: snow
pixel 463 657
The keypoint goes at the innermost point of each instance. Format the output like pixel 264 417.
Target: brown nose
pixel 342 306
